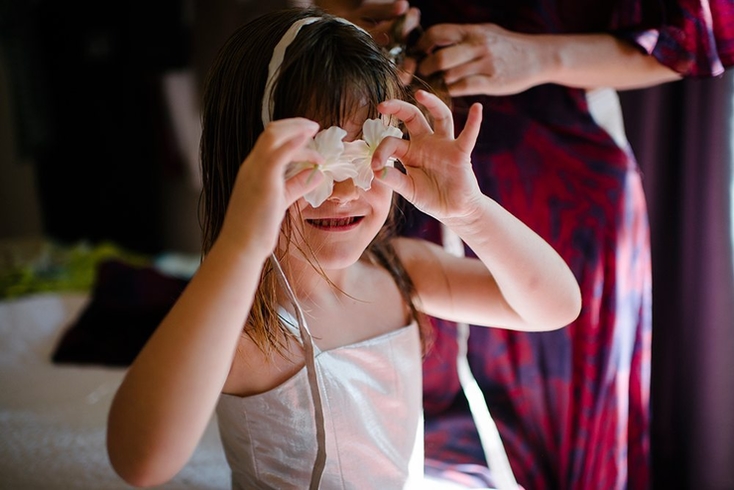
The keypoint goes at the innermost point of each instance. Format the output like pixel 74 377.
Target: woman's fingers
pixel 377 18
pixel 438 36
pixel 447 58
pixel 379 12
pixel 471 68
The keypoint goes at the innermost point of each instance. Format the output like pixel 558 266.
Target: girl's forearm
pixel 169 393
pixel 534 280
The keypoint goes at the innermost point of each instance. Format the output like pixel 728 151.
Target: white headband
pixel 277 60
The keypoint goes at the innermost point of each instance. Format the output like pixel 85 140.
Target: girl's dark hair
pixel 329 72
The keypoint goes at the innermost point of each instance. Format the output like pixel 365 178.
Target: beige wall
pixel 20 211
pixel 20 208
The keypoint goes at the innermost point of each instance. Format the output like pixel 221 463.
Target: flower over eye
pixel 328 143
pixel 342 161
pixel 360 152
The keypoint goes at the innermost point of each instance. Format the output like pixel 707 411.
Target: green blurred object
pixel 36 266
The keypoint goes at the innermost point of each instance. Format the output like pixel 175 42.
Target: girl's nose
pixel 344 191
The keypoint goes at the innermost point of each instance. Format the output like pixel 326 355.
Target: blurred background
pixel 99 140
pixel 98 117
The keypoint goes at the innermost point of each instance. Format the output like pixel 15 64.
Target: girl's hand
pixel 439 178
pixel 261 195
pixel 484 58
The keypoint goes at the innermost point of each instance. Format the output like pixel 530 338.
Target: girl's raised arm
pixel 519 281
pixel 170 391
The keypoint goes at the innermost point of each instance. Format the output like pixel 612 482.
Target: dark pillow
pixel 127 304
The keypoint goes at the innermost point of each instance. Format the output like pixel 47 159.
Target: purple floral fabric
pixel 572 405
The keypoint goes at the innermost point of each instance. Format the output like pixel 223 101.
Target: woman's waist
pixel 554 127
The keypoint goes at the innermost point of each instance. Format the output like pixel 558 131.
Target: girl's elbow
pixel 136 478
pixel 138 468
pixel 569 308
pixel 139 475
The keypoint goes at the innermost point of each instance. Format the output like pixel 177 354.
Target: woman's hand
pixel 439 178
pixel 261 195
pixel 376 17
pixel 483 58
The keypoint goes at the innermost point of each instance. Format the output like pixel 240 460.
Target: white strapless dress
pixel 371 399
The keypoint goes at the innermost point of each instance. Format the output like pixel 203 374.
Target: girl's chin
pixel 333 258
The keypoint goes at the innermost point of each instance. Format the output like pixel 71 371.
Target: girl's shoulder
pixel 431 268
pixel 417 252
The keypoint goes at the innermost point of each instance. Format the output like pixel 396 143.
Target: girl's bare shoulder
pixel 416 252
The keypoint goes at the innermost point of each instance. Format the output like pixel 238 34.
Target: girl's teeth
pixel 333 223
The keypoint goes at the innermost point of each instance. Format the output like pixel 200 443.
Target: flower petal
pixel 356 150
pixel 340 170
pixel 317 196
pixel 365 175
pixel 375 130
pixel 328 142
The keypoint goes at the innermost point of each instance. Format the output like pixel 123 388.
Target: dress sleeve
pixel 693 37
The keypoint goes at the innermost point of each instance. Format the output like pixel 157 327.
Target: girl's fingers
pixel 443 120
pixel 300 184
pixel 307 155
pixel 397 181
pixel 287 134
pixel 284 129
pixel 389 147
pixel 287 139
pixel 468 137
pixel 414 120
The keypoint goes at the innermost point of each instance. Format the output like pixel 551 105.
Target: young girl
pixel 301 327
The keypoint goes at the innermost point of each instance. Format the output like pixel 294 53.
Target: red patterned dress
pixel 572 405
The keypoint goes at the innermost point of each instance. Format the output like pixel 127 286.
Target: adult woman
pixel 572 406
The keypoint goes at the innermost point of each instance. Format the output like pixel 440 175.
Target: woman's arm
pixel 169 393
pixel 488 59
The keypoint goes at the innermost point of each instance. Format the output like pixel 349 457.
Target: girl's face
pixel 339 230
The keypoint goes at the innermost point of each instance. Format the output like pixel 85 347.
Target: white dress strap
pixel 291 323
pixel 308 346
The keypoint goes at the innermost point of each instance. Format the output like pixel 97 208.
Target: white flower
pixel 360 152
pixel 344 160
pixel 328 143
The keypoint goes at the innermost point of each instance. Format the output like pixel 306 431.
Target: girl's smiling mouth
pixel 335 224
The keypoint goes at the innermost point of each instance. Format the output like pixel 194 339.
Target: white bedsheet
pixel 53 417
